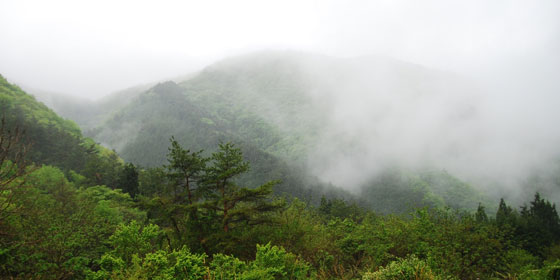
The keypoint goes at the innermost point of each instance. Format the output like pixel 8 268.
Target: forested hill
pixel 71 209
pixel 53 140
pixel 297 105
pixel 85 112
pixel 155 116
pixel 292 115
pixel 140 132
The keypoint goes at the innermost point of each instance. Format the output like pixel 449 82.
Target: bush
pixel 550 271
pixel 403 269
pixel 225 267
pixel 273 262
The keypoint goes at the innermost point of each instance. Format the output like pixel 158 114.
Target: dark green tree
pixel 539 226
pixel 176 192
pixel 181 201
pixel 184 170
pixel 103 168
pixel 128 180
pixel 325 206
pixel 480 215
pixel 505 216
pixel 232 203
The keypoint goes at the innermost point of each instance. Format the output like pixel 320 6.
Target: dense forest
pixel 226 195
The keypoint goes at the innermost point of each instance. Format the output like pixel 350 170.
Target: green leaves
pixel 184 171
pixel 226 267
pixel 134 239
pixel 227 163
pixel 160 265
pixel 273 262
pixel 410 268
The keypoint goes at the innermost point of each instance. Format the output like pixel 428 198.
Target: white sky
pixel 91 48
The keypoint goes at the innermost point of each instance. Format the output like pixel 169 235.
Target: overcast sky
pixel 91 48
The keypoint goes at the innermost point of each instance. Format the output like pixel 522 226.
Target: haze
pixel 508 51
pixel 91 48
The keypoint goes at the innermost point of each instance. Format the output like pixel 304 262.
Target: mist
pixel 468 87
pixel 494 133
pixel 92 49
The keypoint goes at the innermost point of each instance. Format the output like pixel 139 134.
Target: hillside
pixel 328 116
pixel 213 214
pixel 53 140
pixel 140 132
pixel 85 112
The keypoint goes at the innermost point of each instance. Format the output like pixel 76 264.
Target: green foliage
pixel 224 267
pixel 395 192
pixel 505 216
pixel 453 192
pixel 200 204
pixel 56 232
pixel 273 262
pixel 184 171
pixel 115 205
pixel 519 261
pixel 84 241
pixel 539 225
pixel 78 218
pixel 410 268
pixel 399 191
pixel 139 132
pixel 480 215
pixel 187 265
pixel 158 265
pixel 235 204
pixel 550 271
pixel 338 208
pixel 103 168
pixel 133 239
pixel 134 256
pixel 13 98
pixel 536 228
pixel 466 249
pixel 56 141
pixel 151 181
pixel 128 180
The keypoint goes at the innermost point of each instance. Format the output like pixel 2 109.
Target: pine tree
pixel 128 180
pixel 233 203
pixel 505 215
pixel 178 204
pixel 184 170
pixel 540 225
pixel 480 215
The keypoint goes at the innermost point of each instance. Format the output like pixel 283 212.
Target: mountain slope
pixel 54 140
pixel 341 120
pixel 141 132
pixel 87 113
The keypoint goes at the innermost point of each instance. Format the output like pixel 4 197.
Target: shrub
pixel 410 268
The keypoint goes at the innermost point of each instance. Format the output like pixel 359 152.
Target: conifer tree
pixel 233 203
pixel 128 180
pixel 184 170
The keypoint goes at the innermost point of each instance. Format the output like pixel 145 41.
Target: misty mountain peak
pixel 168 87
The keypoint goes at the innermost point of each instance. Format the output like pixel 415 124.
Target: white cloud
pixel 94 47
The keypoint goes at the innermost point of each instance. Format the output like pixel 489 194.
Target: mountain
pixel 85 112
pixel 401 191
pixel 53 140
pixel 339 121
pixel 141 132
pixel 88 113
pixel 74 222
pixel 307 100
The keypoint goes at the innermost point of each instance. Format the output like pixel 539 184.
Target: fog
pixel 495 116
pixel 387 113
pixel 94 48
